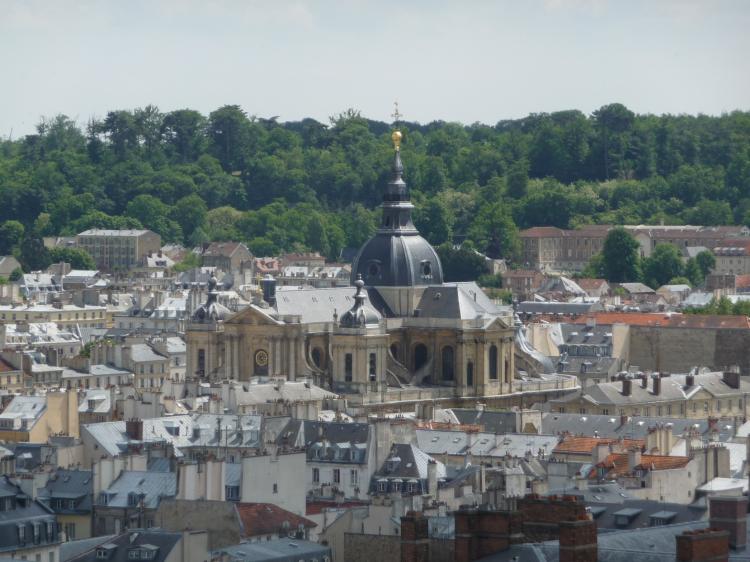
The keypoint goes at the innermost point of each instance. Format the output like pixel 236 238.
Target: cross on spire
pixel 396 115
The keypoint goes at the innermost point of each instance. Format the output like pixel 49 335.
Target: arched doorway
pixel 448 366
pixel 420 356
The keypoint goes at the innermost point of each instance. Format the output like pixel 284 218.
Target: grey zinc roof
pixel 460 301
pixel 162 542
pixel 294 391
pixel 634 428
pixel 437 442
pixel 314 305
pixel 408 461
pixel 493 422
pixel 141 353
pixel 281 550
pixel 672 388
pixel 69 485
pixel 152 485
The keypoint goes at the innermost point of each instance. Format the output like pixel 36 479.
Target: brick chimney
pixel 134 429
pixel 704 545
pixel 415 540
pixel 731 379
pixel 729 513
pixel 627 386
pixel 578 541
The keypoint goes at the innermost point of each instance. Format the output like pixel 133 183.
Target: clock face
pixel 261 358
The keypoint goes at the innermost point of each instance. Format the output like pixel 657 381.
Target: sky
pixel 465 61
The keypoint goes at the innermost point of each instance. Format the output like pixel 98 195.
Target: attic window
pixel 426 269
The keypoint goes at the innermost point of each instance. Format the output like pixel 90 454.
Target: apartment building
pixel 118 249
pixel 547 248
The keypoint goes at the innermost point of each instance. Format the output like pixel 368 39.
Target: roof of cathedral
pixel 360 315
pixel 397 256
pixel 212 310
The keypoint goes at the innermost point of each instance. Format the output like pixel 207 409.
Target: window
pixel 382 486
pixel 469 374
pixel 70 531
pixel 201 361
pixel 373 365
pixel 275 488
pixel 21 533
pixel 353 477
pixel 336 476
pixel 348 367
pixel 316 475
pixel 447 363
pixel 493 361
pixel 232 493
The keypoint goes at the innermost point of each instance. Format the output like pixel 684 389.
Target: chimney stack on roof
pixel 732 379
pixel 627 386
pixel 656 383
pixel 729 513
pixel 689 380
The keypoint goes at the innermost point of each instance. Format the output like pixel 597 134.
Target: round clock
pixel 261 358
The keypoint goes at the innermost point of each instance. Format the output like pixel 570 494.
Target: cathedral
pixel 399 329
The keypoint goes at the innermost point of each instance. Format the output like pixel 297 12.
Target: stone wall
pixel 677 350
pixel 372 548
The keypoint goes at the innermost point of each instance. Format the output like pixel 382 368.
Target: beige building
pixel 732 258
pixel 118 249
pixel 33 419
pixel 548 248
pixel 64 315
pixel 681 396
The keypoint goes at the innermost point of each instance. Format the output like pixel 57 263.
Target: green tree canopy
pixel 620 257
pixel 663 264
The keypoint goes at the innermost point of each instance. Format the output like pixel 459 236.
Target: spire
pixel 396 205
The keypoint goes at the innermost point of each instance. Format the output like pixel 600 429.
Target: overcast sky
pixel 457 61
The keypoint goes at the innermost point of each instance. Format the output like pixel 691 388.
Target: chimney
pixel 689 380
pixel 729 513
pixel 634 458
pixel 657 384
pixel 415 539
pixel 578 541
pixel 432 482
pixel 627 385
pixel 644 380
pixel 134 429
pixel 268 283
pixel 623 419
pixel 704 545
pixel 732 379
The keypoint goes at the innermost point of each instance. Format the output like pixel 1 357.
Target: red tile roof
pixel 666 320
pixel 741 281
pixel 617 463
pixel 6 367
pixel 267 518
pixel 587 283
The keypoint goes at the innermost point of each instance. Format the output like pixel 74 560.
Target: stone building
pixel 121 249
pixel 400 331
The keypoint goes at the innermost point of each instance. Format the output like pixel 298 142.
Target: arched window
pixel 507 371
pixel 493 361
pixel 469 374
pixel 447 363
pixel 420 356
pixel 317 357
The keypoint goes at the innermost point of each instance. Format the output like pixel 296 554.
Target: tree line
pixel 306 185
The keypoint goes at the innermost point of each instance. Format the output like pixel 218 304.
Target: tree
pixel 435 221
pixel 620 257
pixel 663 264
pixel 78 258
pixel 16 274
pixel 495 233
pixel 190 213
pixel 11 233
pixel 34 256
pixel 517 179
pixel 460 264
pixel 706 262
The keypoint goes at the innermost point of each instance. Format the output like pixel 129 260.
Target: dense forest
pixel 312 186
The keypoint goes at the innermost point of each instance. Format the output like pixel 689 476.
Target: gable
pixel 253 315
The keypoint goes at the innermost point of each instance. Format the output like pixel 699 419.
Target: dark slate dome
pixel 360 315
pixel 211 310
pixel 397 255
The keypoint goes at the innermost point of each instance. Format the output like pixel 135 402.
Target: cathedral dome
pixel 360 315
pixel 397 255
pixel 211 310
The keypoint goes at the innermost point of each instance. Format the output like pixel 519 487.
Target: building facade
pixel 118 249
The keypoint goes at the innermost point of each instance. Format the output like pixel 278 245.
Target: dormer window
pixel 426 267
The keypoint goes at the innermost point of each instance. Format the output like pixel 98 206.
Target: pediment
pixel 253 315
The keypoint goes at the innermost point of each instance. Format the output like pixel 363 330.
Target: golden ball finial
pixel 396 137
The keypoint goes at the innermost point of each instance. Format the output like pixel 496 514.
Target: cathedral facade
pixel 398 328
